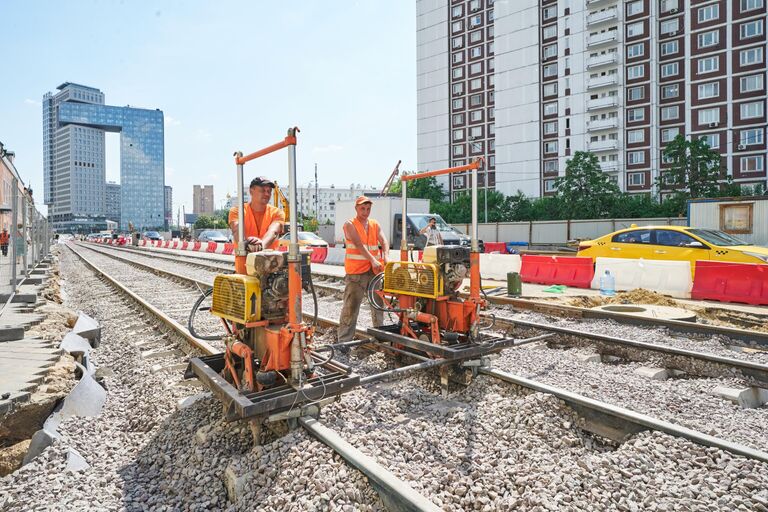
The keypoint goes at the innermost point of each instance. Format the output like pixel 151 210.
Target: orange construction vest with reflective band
pixel 253 228
pixel 355 261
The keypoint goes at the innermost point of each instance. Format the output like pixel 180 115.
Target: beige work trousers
pixel 355 290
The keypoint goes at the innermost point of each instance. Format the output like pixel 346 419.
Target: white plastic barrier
pixel 335 256
pixel 496 266
pixel 666 277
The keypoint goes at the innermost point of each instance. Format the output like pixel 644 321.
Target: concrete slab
pixel 23 365
pixel 88 328
pixel 590 358
pixel 746 398
pixel 160 352
pixel 652 373
pixel 650 311
pixel 11 333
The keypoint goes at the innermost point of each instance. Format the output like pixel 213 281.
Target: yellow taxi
pixel 673 243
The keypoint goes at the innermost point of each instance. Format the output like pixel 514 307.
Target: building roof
pixel 66 84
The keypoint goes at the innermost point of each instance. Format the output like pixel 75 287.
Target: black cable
pixel 314 299
pixel 330 357
pixel 193 313
pixel 372 296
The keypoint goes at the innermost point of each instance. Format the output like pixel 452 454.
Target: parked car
pixel 152 235
pixel 306 239
pixel 673 243
pixel 210 235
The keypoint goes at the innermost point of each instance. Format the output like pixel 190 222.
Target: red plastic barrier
pixel 731 282
pixel 318 254
pixel 196 246
pixel 184 246
pixel 568 270
pixel 499 247
pixel 228 249
pixel 211 247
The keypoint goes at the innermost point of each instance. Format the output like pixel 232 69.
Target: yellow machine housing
pixel 237 298
pixel 415 279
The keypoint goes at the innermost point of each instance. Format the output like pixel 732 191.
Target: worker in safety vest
pixel 366 255
pixel 4 238
pixel 263 222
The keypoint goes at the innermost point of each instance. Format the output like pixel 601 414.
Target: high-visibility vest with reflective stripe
pixel 355 261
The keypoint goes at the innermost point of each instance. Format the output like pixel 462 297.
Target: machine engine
pixel 452 262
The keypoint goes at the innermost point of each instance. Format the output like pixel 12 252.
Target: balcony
pixel 609 166
pixel 603 124
pixel 602 60
pixel 602 16
pixel 593 2
pixel 607 102
pixel 603 81
pixel 609 36
pixel 604 145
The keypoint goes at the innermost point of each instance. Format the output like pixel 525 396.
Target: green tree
pixel 310 224
pixel 423 188
pixel 585 191
pixel 696 169
pixel 205 222
pixel 460 211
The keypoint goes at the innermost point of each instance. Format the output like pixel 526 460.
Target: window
pixel 475 116
pixel 712 140
pixel 669 48
pixel 751 56
pixel 751 83
pixel 668 134
pixel 635 114
pixel 634 8
pixel 476 132
pixel 476 100
pixel 476 21
pixel 550 147
pixel 474 5
pixel 670 113
pixel 752 164
pixel 458 150
pixel 458 104
pixel 550 70
pixel 635 93
pixel 475 84
pixel 458 135
pixel 636 179
pixel 709 13
pixel 458 119
pixel 458 57
pixel 710 38
pixel 668 5
pixel 751 29
pixel 708 65
pixel 751 137
pixel 549 12
pixel 635 29
pixel 476 36
pixel 636 157
pixel 751 5
pixel 458 88
pixel 457 11
pixel 670 238
pixel 475 52
pixel 457 42
pixel 550 89
pixel 638 236
pixel 550 165
pixel 549 32
pixel 550 128
pixel 669 26
pixel 635 136
pixel 670 91
pixel 710 90
pixel 709 116
pixel 549 186
pixel 670 69
pixel 634 72
pixel 752 110
pixel 476 68
pixel 635 50
pixel 550 108
pixel 550 51
pixel 457 73
pixel 457 26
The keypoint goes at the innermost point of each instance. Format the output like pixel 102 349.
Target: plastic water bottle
pixel 607 284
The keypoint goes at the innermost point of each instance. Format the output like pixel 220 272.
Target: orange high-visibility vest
pixel 252 227
pixel 354 261
pixel 4 238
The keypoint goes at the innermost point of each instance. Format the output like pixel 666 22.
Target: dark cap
pixel 261 181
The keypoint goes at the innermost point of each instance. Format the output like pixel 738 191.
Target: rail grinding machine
pixel 433 319
pixel 269 370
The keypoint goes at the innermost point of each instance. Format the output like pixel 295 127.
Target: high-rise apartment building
pixel 113 201
pixel 618 78
pixel 202 200
pixel 168 206
pixel 75 121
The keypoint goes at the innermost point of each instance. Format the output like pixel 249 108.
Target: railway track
pixel 693 363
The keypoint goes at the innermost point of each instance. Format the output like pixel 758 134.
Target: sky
pixel 228 76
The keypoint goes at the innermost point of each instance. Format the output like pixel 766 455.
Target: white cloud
pixel 32 102
pixel 330 148
pixel 171 121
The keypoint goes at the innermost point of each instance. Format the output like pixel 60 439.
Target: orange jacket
pixel 355 261
pixel 4 237
pixel 255 227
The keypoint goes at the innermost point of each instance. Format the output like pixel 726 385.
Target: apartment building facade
pixel 618 78
pixel 202 200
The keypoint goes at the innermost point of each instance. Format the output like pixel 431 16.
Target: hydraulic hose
pixel 372 285
pixel 193 313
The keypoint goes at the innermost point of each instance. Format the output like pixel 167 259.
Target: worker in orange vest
pixel 263 222
pixel 366 255
pixel 4 238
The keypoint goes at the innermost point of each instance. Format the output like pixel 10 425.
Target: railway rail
pixel 602 413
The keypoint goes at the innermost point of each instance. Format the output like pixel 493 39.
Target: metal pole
pixel 317 214
pixel 241 247
pixel 14 230
pixel 24 226
pixel 404 223
pixel 474 211
pixel 298 343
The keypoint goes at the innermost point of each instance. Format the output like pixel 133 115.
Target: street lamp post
pixel 485 179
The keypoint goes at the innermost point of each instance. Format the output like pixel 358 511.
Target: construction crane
pixel 388 184
pixel 280 198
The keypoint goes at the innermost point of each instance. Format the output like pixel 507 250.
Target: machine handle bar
pixel 426 174
pixel 290 140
